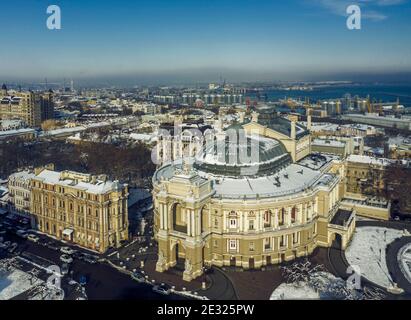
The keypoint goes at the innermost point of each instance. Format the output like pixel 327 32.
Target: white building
pixel 19 192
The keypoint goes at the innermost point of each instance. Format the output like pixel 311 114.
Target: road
pixel 103 281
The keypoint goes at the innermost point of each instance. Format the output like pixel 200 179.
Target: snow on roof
pixel 22 175
pixel 328 142
pixel 16 132
pixel 293 179
pixel 368 160
pixel 76 129
pixel 142 137
pixel 57 178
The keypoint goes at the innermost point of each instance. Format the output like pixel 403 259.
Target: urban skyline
pixel 200 150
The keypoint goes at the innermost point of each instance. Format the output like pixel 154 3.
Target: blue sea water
pixel 377 92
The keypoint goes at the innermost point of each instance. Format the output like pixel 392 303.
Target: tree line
pixel 131 164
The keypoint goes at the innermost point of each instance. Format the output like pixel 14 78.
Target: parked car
pixel 64 268
pixel 66 258
pixel 89 259
pixel 67 250
pixel 22 233
pixel 52 247
pixel 138 277
pixel 33 237
pixel 163 289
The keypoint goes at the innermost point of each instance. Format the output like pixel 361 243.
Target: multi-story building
pixel 46 105
pixel 365 175
pixel 338 145
pixel 220 209
pixel 179 140
pixel 81 208
pixel 20 192
pixel 32 108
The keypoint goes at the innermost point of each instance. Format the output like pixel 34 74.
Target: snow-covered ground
pixel 320 285
pixel 367 250
pixel 404 260
pixel 293 291
pixel 15 282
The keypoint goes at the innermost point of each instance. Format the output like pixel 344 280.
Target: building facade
pixel 212 211
pixel 80 208
pixel 31 107
pixel 19 186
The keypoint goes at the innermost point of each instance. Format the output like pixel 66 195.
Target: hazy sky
pixel 199 39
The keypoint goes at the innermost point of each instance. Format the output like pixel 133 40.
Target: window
pixel 296 237
pixel 293 214
pixel 283 241
pixel 215 243
pixel 267 218
pixel 233 223
pixel 251 246
pixel 282 217
pixel 215 223
pixel 251 225
pixel 232 244
pixel 267 243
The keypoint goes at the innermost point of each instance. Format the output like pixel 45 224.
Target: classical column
pixel 188 220
pixel 276 218
pixel 199 222
pixel 260 218
pixel 167 222
pixel 193 225
pixel 310 210
pixel 161 216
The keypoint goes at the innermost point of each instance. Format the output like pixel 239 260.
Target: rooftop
pixel 341 217
pixel 240 155
pixel 83 182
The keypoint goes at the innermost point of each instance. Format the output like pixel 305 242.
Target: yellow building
pixel 80 208
pixel 32 108
pixel 220 209
pixel 294 136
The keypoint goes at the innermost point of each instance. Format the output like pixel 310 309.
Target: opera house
pixel 259 200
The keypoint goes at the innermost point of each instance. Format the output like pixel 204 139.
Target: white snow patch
pixel 13 283
pixel 320 285
pixel 294 291
pixel 368 251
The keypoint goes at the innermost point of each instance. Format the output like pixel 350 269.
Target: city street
pixel 102 280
